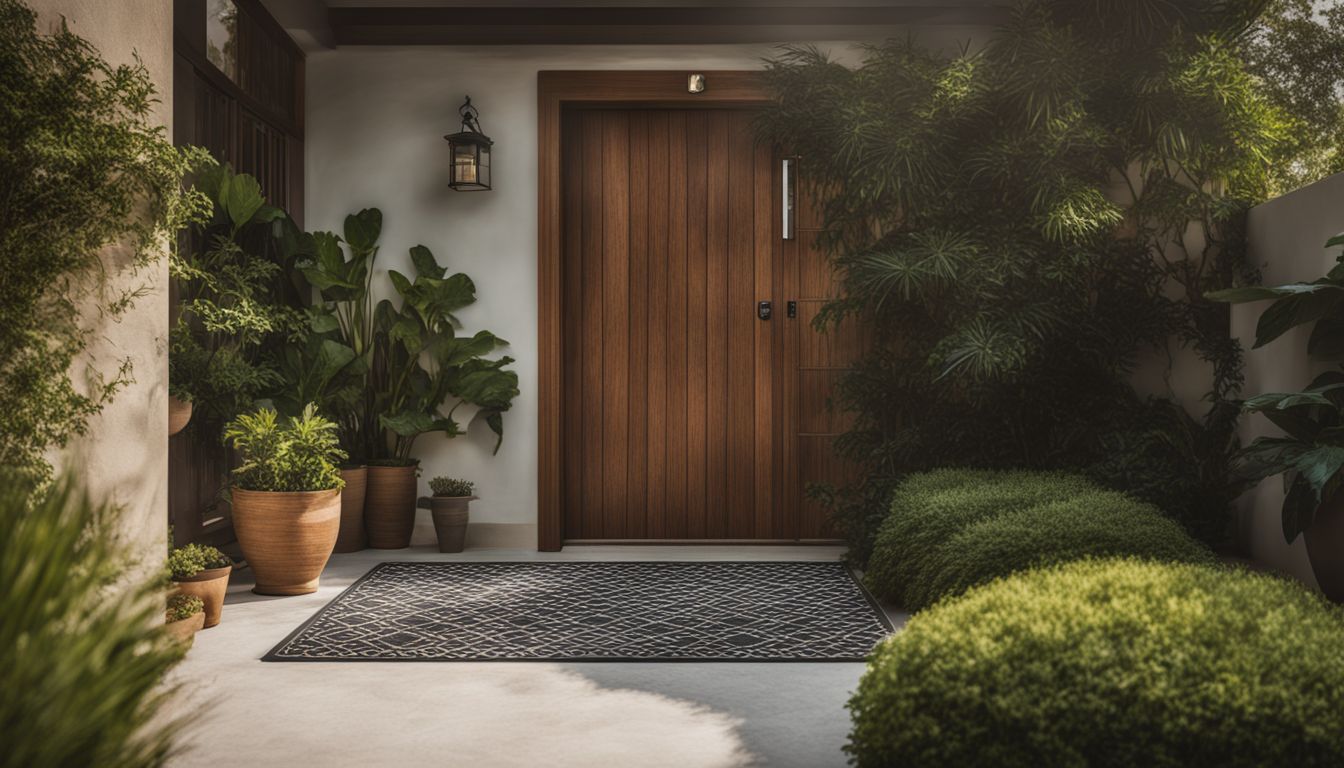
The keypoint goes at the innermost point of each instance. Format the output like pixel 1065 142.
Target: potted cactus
pixel 449 507
pixel 202 571
pixel 286 497
pixel 183 617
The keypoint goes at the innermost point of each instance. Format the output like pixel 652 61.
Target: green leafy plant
pixel 451 486
pixel 82 662
pixel 187 561
pixel 183 607
pixel 1311 454
pixel 1110 663
pixel 1017 225
pixel 236 301
pixel 93 193
pixel 420 363
pixel 297 454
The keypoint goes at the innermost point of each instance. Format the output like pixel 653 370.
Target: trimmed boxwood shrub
pixel 1092 524
pixel 928 508
pixel 1110 663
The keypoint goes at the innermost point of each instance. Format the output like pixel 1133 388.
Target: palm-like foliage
pixel 298 453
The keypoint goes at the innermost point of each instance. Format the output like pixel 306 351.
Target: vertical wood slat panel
pixel 636 515
pixel 742 328
pixel 765 262
pixel 592 396
pixel 717 311
pixel 656 322
pixel 573 319
pixel 696 406
pixel 615 320
pixel 676 527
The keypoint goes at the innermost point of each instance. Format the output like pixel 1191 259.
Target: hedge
pixel 1110 663
pixel 928 508
pixel 1091 524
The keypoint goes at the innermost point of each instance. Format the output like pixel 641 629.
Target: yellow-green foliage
pixel 1091 524
pixel 1110 663
pixel 930 507
pixel 82 652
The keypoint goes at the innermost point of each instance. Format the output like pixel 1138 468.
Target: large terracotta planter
pixel 351 538
pixel 389 506
pixel 450 520
pixel 210 585
pixel 287 537
pixel 1325 548
pixel 179 413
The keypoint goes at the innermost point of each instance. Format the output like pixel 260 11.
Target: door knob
pixel 763 310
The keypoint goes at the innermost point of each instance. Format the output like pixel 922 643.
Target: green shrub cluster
pixel 183 607
pixel 451 486
pixel 185 562
pixel 297 454
pixel 1110 663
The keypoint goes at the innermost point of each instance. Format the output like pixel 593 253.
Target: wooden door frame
pixel 555 90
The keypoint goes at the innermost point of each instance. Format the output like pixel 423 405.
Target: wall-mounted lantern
pixel 470 152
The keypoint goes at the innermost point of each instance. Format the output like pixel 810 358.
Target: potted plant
pixel 202 571
pixel 179 410
pixel 286 497
pixel 1310 454
pixel 449 508
pixel 184 617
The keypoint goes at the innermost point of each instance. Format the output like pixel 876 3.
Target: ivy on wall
pixel 1021 224
pixel 91 192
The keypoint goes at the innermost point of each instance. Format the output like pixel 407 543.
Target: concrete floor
pixel 681 714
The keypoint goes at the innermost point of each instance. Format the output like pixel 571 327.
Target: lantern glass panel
pixel 465 163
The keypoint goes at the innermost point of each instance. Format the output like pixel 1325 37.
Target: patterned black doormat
pixel 646 611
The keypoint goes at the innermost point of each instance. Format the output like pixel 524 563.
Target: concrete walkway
pixel 686 715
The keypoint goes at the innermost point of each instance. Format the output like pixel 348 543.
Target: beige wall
pixel 124 457
pixel 1287 239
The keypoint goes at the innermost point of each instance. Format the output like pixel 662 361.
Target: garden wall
pixel 124 456
pixel 1287 239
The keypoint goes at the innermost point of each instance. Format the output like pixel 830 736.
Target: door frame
pixel 555 90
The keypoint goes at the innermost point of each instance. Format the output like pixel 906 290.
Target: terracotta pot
pixel 1325 547
pixel 184 630
pixel 351 538
pixel 450 519
pixel 210 585
pixel 389 506
pixel 179 413
pixel 287 537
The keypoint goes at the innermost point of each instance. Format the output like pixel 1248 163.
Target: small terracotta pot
pixel 389 506
pixel 179 413
pixel 450 519
pixel 210 585
pixel 287 537
pixel 351 538
pixel 184 630
pixel 1325 547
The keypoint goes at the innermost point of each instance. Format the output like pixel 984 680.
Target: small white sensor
pixel 695 83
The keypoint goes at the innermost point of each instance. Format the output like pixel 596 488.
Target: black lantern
pixel 471 152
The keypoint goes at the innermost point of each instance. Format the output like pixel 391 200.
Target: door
pixel 681 396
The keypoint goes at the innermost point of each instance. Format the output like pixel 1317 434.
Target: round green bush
pixel 1110 663
pixel 928 508
pixel 1091 524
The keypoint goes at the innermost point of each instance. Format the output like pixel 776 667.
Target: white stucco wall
pixel 1287 239
pixel 124 456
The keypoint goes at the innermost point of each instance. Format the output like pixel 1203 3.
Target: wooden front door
pixel 683 410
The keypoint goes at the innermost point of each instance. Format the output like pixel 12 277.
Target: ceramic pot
pixel 179 413
pixel 210 585
pixel 184 630
pixel 450 519
pixel 351 537
pixel 1325 547
pixel 389 506
pixel 287 537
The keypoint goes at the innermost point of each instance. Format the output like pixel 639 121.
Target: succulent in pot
pixel 286 497
pixel 449 507
pixel 184 616
pixel 201 571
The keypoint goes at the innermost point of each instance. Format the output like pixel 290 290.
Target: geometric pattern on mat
pixel 586 611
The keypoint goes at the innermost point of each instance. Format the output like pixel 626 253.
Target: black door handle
pixel 763 310
pixel 791 309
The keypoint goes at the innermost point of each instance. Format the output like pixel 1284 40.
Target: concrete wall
pixel 1287 239
pixel 124 457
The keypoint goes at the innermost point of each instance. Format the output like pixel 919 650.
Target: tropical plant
pixel 236 300
pixel 183 607
pixel 1311 454
pixel 82 661
pixel 420 362
pixel 187 561
pixel 451 486
pixel 1021 223
pixel 300 453
pixel 86 165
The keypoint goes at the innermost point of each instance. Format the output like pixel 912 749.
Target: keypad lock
pixel 763 310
